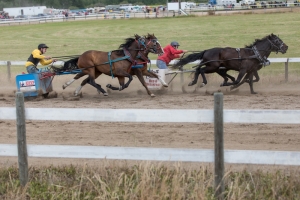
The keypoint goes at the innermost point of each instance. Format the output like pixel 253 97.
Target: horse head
pixel 152 44
pixel 277 44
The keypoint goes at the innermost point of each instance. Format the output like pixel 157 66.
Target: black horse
pixel 246 60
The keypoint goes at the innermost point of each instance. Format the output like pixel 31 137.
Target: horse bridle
pixel 141 41
pixel 278 49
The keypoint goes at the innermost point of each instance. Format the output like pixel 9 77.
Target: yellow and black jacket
pixel 36 57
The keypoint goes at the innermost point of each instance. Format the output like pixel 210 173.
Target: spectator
pixel 170 52
pixel 157 11
pixel 37 57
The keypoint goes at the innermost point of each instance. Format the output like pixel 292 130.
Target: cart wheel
pixel 45 95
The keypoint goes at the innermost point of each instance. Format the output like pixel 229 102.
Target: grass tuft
pixel 145 181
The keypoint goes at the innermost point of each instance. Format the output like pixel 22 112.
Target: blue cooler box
pixel 31 84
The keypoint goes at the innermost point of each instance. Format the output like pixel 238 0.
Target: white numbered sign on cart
pixel 155 84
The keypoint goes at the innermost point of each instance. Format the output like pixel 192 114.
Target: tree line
pixel 79 4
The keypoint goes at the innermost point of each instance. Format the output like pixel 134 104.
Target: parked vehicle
pixel 21 17
pixel 40 15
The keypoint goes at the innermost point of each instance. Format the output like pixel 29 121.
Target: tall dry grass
pixel 146 181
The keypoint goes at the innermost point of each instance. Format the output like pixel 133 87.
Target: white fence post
pixel 219 146
pixel 8 70
pixel 287 70
pixel 21 137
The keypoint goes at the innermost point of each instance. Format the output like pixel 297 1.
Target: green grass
pixel 193 33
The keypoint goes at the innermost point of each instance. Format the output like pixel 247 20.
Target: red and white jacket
pixel 170 53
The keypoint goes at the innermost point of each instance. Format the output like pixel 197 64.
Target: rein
pixel 72 56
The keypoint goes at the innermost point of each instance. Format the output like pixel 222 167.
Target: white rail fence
pixel 218 116
pixel 204 10
pixel 286 62
pixel 155 154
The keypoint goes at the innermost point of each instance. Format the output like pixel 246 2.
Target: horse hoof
pixel 191 83
pixel 108 85
pixel 202 84
pixel 152 95
pixel 64 87
pixel 105 94
pixel 165 85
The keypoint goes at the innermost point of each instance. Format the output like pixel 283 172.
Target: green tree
pixel 124 2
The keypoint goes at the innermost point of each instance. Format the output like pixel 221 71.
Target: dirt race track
pixel 281 95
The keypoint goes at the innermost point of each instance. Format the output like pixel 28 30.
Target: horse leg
pixel 121 82
pixel 251 83
pixel 204 80
pixel 93 83
pixel 84 82
pixel 139 74
pixel 224 75
pixel 128 82
pixel 194 81
pixel 230 77
pixel 238 80
pixel 255 73
pixel 121 76
pixel 113 87
pixel 245 79
pixel 76 92
pixel 153 75
pixel 72 80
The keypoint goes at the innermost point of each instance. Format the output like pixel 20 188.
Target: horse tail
pixel 190 58
pixel 70 64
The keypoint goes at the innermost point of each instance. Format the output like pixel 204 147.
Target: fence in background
pixel 203 10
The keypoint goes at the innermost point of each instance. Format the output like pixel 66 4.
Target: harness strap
pixel 135 63
pixel 239 52
pixel 263 60
pixel 143 57
pixel 110 61
pixel 110 64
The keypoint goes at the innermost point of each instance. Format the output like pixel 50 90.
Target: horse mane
pixel 258 40
pixel 128 42
pixel 126 45
pixel 149 36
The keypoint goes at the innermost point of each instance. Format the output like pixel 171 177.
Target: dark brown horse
pixel 140 70
pixel 119 63
pixel 247 61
